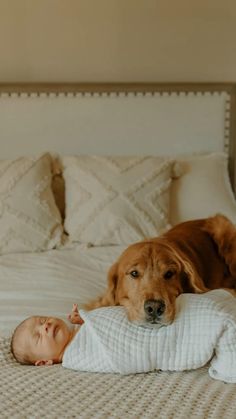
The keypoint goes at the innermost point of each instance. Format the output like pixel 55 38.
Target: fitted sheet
pixel 48 283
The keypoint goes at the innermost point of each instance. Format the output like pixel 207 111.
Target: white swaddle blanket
pixel 204 330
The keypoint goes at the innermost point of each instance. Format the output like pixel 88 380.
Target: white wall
pixel 117 40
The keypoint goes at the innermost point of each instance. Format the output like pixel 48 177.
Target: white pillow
pixel 116 200
pixel 204 330
pixel 29 218
pixel 203 189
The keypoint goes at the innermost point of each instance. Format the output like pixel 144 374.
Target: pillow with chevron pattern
pixel 116 200
pixel 29 218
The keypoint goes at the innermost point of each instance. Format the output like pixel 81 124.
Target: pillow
pixel 29 218
pixel 204 330
pixel 58 184
pixel 116 200
pixel 203 189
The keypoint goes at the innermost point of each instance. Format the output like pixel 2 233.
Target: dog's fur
pixel 194 256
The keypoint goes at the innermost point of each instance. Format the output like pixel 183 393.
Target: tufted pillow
pixel 29 218
pixel 58 183
pixel 116 200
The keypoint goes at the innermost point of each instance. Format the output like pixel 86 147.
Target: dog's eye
pixel 134 274
pixel 168 274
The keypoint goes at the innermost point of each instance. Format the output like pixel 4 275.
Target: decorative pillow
pixel 203 189
pixel 29 218
pixel 116 200
pixel 58 184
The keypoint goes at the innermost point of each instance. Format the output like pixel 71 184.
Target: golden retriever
pixel 194 256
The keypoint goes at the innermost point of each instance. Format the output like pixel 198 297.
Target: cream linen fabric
pixel 29 218
pixel 204 330
pixel 203 189
pixel 48 283
pixel 116 200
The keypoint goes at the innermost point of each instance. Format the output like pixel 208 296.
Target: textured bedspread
pixel 204 329
pixel 28 392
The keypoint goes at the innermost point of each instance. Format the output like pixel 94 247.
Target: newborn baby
pixel 41 340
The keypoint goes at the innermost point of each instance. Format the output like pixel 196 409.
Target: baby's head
pixel 41 340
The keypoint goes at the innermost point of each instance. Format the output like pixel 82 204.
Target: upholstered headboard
pixel 164 119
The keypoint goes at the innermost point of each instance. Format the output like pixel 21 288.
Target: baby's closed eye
pixel 36 337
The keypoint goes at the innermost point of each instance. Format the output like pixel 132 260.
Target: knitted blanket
pixel 204 329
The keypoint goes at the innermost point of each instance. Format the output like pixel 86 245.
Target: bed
pixel 60 231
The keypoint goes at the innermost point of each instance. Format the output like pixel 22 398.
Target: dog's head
pixel 147 279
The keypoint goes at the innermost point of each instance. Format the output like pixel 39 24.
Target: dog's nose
pixel 154 309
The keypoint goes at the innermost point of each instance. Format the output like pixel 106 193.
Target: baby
pixel 41 340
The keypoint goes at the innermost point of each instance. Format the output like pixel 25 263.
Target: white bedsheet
pixel 48 283
pixel 204 330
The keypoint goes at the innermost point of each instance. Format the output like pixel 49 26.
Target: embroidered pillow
pixel 116 200
pixel 29 217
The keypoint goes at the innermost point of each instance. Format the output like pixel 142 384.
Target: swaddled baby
pixel 204 330
pixel 41 340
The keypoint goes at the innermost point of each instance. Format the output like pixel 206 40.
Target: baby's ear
pixel 43 362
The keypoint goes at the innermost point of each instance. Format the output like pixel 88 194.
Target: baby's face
pixel 45 338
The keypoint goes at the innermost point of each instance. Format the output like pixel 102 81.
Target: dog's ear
pixel 194 280
pixel 109 297
pixel 190 278
pixel 112 284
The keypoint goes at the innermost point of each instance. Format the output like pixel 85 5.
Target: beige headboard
pixel 120 119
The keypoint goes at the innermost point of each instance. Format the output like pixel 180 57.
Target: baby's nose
pixel 47 325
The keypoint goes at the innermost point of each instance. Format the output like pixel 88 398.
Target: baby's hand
pixel 74 316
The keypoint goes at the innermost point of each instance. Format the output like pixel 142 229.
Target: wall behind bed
pixel 117 40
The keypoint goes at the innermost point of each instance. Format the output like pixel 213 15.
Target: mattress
pixel 48 283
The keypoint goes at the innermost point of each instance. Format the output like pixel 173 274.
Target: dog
pixel 194 256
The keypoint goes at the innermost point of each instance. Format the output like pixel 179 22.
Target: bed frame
pixel 105 119
pixel 119 118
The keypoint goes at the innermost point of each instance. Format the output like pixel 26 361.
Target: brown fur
pixel 200 254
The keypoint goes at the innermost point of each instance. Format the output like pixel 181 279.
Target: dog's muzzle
pixel 154 309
